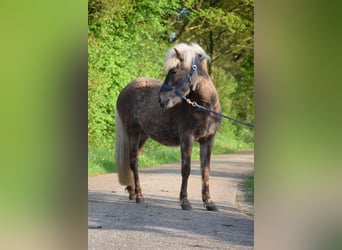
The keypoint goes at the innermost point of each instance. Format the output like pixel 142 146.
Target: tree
pixel 126 39
pixel 226 30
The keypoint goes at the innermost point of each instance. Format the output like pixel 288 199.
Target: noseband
pixel 187 79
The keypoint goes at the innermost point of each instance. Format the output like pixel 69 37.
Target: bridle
pixel 187 79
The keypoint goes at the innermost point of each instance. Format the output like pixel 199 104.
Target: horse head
pixel 181 63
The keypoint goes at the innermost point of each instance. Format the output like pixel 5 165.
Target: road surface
pixel 114 222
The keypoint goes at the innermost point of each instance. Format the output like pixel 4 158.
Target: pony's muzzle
pixel 163 104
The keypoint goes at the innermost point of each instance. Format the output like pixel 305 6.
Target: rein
pixel 193 103
pixel 196 105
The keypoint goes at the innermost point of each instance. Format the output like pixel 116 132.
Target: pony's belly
pixel 166 141
pixel 161 134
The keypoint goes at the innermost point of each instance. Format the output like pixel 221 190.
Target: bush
pixel 128 39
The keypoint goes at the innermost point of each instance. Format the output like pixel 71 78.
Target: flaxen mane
pixel 188 53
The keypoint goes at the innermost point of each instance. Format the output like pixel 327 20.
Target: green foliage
pixel 226 29
pixel 128 39
pixel 124 42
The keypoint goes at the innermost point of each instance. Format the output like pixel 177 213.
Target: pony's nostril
pixel 160 102
pixel 164 103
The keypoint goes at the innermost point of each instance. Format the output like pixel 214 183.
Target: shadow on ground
pixel 162 218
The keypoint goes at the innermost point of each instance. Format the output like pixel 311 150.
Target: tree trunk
pixel 211 53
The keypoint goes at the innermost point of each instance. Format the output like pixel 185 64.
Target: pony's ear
pixel 179 55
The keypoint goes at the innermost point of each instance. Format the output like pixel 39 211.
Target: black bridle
pixel 187 79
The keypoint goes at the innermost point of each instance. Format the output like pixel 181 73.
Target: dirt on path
pixel 114 222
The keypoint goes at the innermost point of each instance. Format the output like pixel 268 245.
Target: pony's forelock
pixel 187 52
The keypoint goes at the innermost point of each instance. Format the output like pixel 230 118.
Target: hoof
pixel 186 205
pixel 132 197
pixel 210 206
pixel 139 199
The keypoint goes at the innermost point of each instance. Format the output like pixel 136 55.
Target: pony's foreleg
pixel 205 154
pixel 186 149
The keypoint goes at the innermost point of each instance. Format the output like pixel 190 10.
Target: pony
pixel 149 108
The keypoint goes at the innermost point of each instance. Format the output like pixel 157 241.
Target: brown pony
pixel 148 108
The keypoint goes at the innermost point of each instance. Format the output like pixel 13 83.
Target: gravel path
pixel 114 222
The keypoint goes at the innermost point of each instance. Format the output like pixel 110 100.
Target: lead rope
pixel 194 104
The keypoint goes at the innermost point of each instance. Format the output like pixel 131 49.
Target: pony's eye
pixel 173 72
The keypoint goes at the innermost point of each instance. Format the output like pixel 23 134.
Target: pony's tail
pixel 125 173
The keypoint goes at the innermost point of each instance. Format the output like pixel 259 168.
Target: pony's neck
pixel 204 65
pixel 206 94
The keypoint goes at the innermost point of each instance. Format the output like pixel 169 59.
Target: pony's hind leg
pixel 131 192
pixel 205 154
pixel 137 142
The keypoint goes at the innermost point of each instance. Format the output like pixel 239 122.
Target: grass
pixel 101 160
pixel 249 187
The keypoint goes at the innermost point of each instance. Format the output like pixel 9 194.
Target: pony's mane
pixel 188 53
